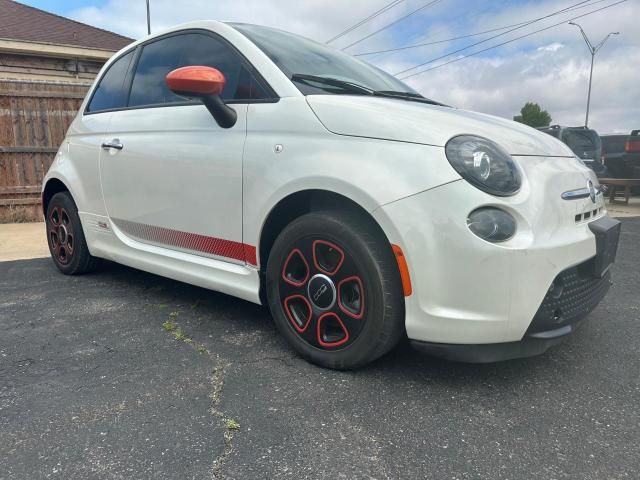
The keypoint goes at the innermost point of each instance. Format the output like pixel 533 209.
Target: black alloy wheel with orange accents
pixel 65 237
pixel 334 289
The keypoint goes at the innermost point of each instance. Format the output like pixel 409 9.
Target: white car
pixel 263 165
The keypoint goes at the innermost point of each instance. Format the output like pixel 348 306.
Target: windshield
pixel 296 55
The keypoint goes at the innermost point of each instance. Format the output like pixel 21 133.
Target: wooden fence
pixel 34 117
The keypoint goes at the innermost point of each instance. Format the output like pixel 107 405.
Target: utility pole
pixel 148 19
pixel 592 50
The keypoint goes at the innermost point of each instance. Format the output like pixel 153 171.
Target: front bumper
pixel 467 291
pixel 573 294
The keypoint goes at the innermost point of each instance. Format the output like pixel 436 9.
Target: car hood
pixel 415 122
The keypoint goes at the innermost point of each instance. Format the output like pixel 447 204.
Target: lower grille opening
pixel 574 293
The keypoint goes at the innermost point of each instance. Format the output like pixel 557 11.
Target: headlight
pixel 484 164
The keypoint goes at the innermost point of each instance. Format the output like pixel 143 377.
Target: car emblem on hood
pixel 590 191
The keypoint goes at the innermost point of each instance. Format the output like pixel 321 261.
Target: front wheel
pixel 334 289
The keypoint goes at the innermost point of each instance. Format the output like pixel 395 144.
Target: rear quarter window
pixel 111 91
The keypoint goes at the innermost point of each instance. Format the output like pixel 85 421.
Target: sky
pixel 550 68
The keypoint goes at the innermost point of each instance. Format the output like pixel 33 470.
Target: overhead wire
pixel 446 40
pixel 450 23
pixel 511 40
pixel 395 22
pixel 526 24
pixel 375 14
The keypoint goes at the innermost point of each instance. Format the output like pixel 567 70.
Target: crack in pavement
pixel 281 358
pixel 217 382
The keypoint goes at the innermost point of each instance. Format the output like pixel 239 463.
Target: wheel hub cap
pixel 61 236
pixel 322 291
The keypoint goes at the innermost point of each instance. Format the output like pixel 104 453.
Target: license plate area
pixel 607 233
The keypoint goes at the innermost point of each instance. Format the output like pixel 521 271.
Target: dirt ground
pixel 21 241
pixel 631 210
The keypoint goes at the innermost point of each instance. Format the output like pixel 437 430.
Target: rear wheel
pixel 66 240
pixel 334 289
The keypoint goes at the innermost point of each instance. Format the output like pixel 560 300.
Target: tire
pixel 366 317
pixel 67 244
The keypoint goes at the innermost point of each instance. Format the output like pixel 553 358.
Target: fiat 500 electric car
pixel 266 166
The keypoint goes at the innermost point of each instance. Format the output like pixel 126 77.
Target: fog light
pixel 492 224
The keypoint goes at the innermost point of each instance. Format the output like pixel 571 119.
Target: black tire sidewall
pixel 343 231
pixel 81 256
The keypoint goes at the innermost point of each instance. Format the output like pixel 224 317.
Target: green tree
pixel 533 115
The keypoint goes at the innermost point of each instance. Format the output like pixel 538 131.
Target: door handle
pixel 113 144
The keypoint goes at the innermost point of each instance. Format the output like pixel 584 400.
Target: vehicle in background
pixel 621 154
pixel 584 142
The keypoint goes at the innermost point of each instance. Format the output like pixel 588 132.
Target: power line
pixel 510 41
pixel 427 5
pixel 423 38
pixel 455 20
pixel 498 45
pixel 490 38
pixel 408 47
pixel 497 29
pixel 375 14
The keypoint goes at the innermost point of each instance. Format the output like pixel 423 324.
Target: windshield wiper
pixel 353 87
pixel 416 97
pixel 334 82
pixel 397 93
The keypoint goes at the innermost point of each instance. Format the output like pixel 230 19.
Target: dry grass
pixel 17 214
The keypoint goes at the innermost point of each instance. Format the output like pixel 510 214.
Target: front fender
pixel 376 173
pixel 288 150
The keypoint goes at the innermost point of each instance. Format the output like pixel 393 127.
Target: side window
pixel 112 91
pixel 160 57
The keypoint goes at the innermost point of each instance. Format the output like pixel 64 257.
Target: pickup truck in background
pixel 621 154
pixel 584 142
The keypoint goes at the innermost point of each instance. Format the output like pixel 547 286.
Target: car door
pixel 91 128
pixel 170 175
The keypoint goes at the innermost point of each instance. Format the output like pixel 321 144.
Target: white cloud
pixel 552 47
pixel 550 68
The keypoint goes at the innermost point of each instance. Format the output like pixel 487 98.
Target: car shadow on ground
pixel 225 313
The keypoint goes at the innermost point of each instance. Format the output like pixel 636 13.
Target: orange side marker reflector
pixel 404 270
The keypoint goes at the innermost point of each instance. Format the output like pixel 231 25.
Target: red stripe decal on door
pixel 250 254
pixel 189 241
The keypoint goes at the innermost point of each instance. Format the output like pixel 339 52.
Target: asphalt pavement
pixel 123 374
